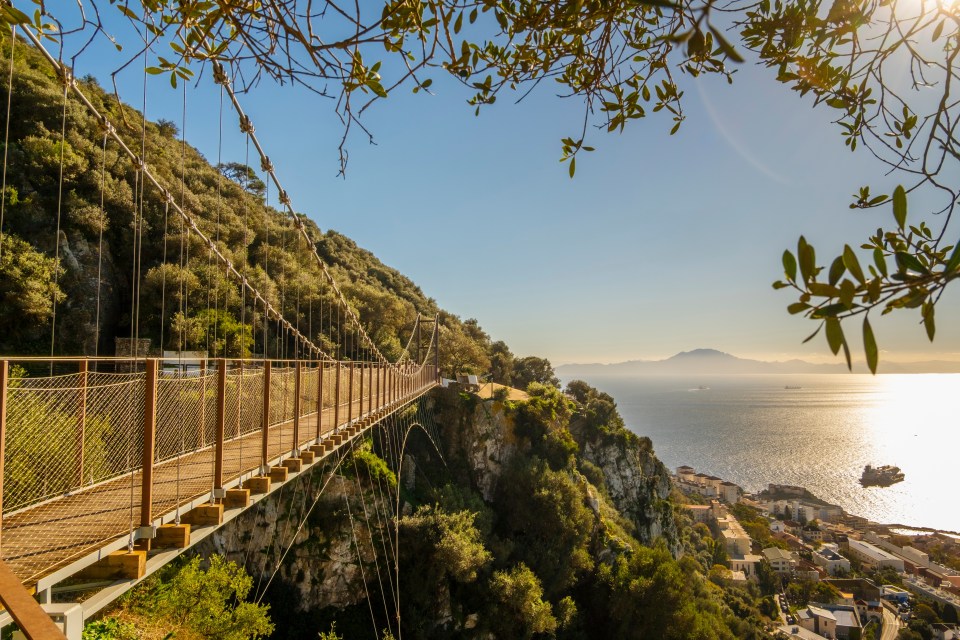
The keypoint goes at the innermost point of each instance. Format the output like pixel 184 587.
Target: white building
pixel 782 561
pixel 729 492
pixel 734 537
pixel 746 563
pixel 872 556
pixel 832 562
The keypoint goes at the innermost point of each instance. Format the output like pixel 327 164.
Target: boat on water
pixel 792 387
pixel 701 388
pixel 882 476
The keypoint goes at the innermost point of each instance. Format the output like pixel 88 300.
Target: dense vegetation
pixel 123 264
pixel 547 555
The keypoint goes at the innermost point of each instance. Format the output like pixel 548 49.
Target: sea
pixel 813 430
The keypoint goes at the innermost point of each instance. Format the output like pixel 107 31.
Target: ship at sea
pixel 882 476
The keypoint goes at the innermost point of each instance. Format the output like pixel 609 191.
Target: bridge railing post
pixel 336 400
pixel 297 371
pixel 370 392
pixel 4 373
pixel 362 366
pixel 221 427
pixel 320 368
pixel 149 442
pixel 350 395
pixel 265 424
pixel 82 419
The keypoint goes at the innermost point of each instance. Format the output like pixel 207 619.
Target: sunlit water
pixel 753 431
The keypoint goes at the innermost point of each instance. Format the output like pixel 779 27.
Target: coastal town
pixel 832 575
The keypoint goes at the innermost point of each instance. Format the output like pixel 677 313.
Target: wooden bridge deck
pixel 44 538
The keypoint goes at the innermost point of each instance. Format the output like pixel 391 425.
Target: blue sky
pixel 660 244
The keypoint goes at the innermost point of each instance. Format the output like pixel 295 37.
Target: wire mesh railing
pixel 104 450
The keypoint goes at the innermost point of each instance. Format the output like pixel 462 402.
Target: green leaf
pixel 807 258
pixel 870 346
pixel 836 270
pixel 847 291
pixel 928 321
pixel 725 46
pixel 954 262
pixel 909 262
pixel 797 307
pixel 823 289
pixel 900 206
pixel 573 166
pixel 852 264
pixel 880 261
pixel 12 15
pixel 790 266
pixel 938 31
pixel 834 335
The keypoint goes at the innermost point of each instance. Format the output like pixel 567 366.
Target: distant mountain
pixel 711 361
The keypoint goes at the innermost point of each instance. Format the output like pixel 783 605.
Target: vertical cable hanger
pixel 67 78
pixel 6 134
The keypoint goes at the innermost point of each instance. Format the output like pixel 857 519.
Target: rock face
pixel 313 552
pixel 637 482
pixel 638 485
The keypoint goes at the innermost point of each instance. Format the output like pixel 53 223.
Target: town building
pixel 700 512
pixel 782 562
pixel 818 620
pixel 873 557
pixel 729 492
pixel 747 564
pixel 831 561
pixel 735 539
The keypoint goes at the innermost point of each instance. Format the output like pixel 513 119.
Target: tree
pixel 28 290
pixel 626 61
pixel 521 611
pixel 501 363
pixel 534 369
pixel 245 176
pixel 210 602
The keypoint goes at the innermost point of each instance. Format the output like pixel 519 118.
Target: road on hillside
pixel 891 625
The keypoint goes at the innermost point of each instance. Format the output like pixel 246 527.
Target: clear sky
pixel 660 244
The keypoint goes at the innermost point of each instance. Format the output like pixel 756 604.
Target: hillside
pixel 148 272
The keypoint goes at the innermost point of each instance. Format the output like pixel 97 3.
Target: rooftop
pixel 775 553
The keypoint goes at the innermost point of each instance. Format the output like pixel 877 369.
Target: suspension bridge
pixel 112 466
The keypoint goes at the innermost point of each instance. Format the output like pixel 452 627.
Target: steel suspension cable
pixel 6 134
pixel 246 126
pixel 103 219
pixel 56 238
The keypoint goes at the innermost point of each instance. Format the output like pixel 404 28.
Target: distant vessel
pixel 790 387
pixel 882 476
pixel 701 388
